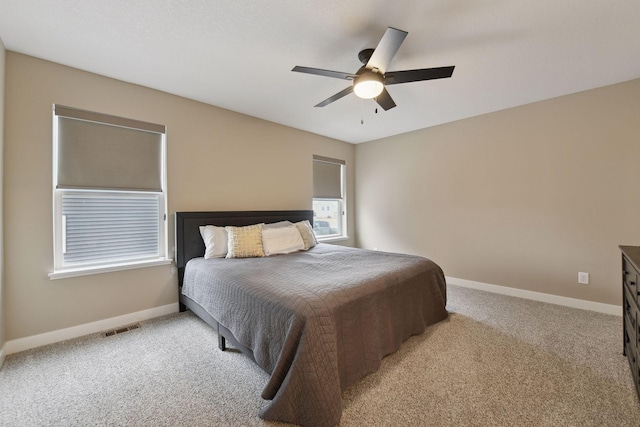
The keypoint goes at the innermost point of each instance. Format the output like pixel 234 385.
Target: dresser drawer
pixel 630 277
pixel 631 352
pixel 630 316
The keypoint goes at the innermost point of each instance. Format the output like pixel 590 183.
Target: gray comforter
pixel 317 321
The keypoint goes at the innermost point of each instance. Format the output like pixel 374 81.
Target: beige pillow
pixel 306 232
pixel 244 242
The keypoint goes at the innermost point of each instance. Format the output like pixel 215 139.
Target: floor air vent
pixel 121 329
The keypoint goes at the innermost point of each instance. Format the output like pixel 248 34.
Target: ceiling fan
pixel 370 80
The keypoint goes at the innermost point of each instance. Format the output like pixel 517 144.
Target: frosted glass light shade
pixel 368 85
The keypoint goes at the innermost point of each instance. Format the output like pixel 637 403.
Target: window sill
pixel 85 271
pixel 332 239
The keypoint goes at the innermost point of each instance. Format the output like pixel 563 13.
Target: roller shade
pixel 99 151
pixel 327 178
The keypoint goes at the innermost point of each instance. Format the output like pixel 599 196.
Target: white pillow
pixel 281 240
pixel 279 224
pixel 306 231
pixel 215 241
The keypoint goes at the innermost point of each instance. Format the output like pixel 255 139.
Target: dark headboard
pixel 189 243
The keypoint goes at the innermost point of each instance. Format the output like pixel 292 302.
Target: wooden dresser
pixel 631 308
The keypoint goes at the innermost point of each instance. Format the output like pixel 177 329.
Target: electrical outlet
pixel 583 278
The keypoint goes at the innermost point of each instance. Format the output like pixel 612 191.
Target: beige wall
pixel 2 320
pixel 524 198
pixel 217 160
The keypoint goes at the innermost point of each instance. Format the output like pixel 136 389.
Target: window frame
pixel 342 202
pixel 62 270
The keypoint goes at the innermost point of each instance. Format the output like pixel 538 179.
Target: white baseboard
pixel 21 344
pixel 538 296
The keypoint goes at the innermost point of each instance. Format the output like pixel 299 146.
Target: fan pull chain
pixel 362 111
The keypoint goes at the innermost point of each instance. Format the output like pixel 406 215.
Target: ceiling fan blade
pixel 326 73
pixel 386 49
pixel 385 100
pixel 406 76
pixel 335 97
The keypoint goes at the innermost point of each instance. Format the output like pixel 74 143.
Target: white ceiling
pixel 239 54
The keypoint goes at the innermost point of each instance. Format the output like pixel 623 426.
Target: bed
pixel 316 321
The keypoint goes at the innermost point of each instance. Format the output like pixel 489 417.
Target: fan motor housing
pixel 364 55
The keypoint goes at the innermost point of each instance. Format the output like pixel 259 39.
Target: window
pixel 109 201
pixel 328 198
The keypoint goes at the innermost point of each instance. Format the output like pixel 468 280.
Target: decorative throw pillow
pixel 306 232
pixel 215 241
pixel 244 242
pixel 281 240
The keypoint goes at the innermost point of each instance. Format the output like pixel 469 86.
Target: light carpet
pixel 496 361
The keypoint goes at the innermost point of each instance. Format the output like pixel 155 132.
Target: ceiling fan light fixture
pixel 368 85
pixel 370 80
